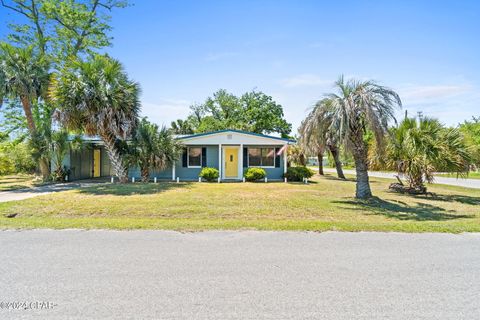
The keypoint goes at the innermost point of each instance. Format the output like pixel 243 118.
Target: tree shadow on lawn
pixel 335 178
pixel 451 198
pixel 130 189
pixel 402 211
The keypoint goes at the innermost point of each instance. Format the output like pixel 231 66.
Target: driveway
pixel 468 183
pixel 26 193
pixel 239 275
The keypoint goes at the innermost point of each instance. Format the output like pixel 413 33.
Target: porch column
pixel 285 159
pixel 220 164
pixel 173 172
pixel 240 156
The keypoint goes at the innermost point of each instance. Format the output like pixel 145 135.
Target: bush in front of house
pixel 254 174
pixel 60 174
pixel 298 173
pixel 209 174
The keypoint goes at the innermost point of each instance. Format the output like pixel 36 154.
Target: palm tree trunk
pixel 336 157
pixel 32 129
pixel 303 160
pixel 115 157
pixel 363 190
pixel 27 109
pixel 320 163
pixel 44 168
pixel 145 174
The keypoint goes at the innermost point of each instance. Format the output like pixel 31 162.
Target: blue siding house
pixel 230 151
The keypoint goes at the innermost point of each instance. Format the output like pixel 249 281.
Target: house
pixel 230 151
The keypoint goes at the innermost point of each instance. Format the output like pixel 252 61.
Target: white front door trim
pixel 223 159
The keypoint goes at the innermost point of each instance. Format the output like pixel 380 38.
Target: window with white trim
pixel 194 157
pixel 261 157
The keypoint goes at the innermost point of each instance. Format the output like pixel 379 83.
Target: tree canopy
pixel 253 111
pixel 62 29
pixel 46 36
pixel 471 132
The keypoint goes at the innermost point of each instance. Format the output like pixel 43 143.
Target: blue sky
pixel 183 51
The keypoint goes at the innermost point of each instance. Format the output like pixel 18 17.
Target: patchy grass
pixel 324 204
pixel 18 181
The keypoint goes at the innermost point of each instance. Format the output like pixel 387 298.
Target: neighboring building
pixel 313 161
pixel 230 151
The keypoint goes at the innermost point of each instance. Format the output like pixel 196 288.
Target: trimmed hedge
pixel 254 174
pixel 209 174
pixel 298 173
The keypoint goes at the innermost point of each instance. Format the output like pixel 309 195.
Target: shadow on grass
pixel 13 187
pixel 132 188
pixel 451 198
pixel 335 178
pixel 402 211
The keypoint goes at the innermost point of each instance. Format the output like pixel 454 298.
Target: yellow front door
pixel 231 162
pixel 96 163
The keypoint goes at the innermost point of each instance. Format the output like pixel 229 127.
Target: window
pixel 261 157
pixel 268 157
pixel 194 157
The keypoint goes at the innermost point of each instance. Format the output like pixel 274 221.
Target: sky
pixel 181 52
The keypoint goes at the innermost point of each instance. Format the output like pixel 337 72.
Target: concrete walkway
pixel 467 183
pixel 26 193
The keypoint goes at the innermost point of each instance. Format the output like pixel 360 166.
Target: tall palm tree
pixel 98 98
pixel 24 75
pixel 153 148
pixel 417 149
pixel 357 107
pixel 317 131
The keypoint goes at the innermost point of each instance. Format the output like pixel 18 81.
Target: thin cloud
pixel 304 80
pixel 166 110
pixel 451 104
pixel 435 91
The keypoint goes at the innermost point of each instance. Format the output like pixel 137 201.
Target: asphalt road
pixel 460 182
pixel 240 275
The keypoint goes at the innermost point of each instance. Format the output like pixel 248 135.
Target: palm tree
pixel 181 126
pixel 417 149
pixel 153 149
pixel 98 98
pixel 311 141
pixel 357 107
pixel 61 142
pixel 317 132
pixel 24 75
pixel 296 155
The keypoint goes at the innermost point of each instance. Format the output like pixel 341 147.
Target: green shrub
pixel 209 174
pixel 254 174
pixel 298 173
pixel 60 174
pixel 15 158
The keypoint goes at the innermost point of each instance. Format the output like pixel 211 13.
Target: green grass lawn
pixel 18 181
pixel 324 204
